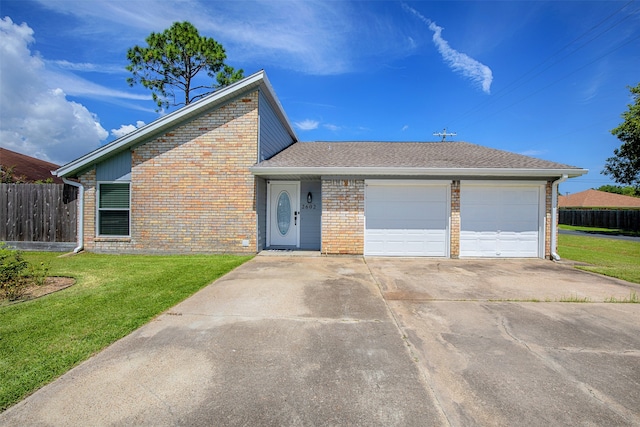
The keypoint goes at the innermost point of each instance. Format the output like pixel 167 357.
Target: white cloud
pixel 307 124
pixel 405 127
pixel 77 86
pixel 458 61
pixel 60 74
pixel 86 67
pixel 461 62
pixel 331 127
pixel 125 129
pixel 36 119
pixel 67 65
pixel 313 37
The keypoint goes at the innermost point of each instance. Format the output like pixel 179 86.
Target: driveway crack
pixel 426 377
pixel 539 353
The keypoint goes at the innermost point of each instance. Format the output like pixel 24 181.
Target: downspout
pixel 554 216
pixel 80 188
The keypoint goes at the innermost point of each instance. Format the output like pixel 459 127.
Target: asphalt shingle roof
pixel 28 168
pixel 598 199
pixel 403 155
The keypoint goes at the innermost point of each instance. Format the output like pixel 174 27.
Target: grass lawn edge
pixel 114 295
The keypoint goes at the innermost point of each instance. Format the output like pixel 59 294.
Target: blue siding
pixel 273 134
pixel 116 168
pixel 261 211
pixel 310 215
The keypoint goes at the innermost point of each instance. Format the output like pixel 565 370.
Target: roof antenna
pixel 444 134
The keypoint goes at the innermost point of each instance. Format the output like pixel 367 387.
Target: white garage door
pixel 406 218
pixel 500 221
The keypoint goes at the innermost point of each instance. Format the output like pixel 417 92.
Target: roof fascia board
pixel 162 124
pixel 400 171
pixel 502 182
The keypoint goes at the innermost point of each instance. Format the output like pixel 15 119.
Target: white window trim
pixel 98 209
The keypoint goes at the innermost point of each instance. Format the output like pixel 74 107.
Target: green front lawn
pixel 596 230
pixel 615 258
pixel 114 295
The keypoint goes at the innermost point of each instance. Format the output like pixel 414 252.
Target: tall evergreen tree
pixel 173 59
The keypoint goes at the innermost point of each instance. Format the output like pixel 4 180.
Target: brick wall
pixel 548 220
pixel 191 189
pixel 342 216
pixel 455 220
pixel 88 181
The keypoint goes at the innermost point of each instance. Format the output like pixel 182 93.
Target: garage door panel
pixel 406 242
pixel 403 209
pixel 517 246
pixel 520 212
pixel 479 227
pixel 481 196
pixel 406 220
pixel 421 214
pixel 518 227
pixel 499 221
pixel 402 224
pixel 394 193
pixel 522 196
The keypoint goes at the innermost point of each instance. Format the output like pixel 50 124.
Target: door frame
pixel 296 204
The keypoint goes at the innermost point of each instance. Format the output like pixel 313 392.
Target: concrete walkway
pixel 297 341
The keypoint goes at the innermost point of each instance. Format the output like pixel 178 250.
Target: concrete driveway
pixel 347 341
pixel 492 361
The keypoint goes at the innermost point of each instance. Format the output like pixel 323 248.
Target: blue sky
pixel 545 79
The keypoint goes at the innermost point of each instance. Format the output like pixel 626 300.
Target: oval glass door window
pixel 283 213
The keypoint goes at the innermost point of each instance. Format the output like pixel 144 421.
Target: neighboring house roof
pixel 407 158
pixel 218 98
pixel 27 168
pixel 597 199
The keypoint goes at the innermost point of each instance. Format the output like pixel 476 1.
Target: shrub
pixel 16 274
pixel 13 281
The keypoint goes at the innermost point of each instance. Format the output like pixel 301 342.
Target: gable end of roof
pixel 257 81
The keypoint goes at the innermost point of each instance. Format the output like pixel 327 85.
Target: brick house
pixel 226 174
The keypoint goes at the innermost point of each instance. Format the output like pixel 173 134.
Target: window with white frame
pixel 114 211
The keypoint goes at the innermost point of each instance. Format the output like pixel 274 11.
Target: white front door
pixel 284 215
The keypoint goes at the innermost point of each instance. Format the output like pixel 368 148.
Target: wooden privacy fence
pixel 623 219
pixel 38 213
